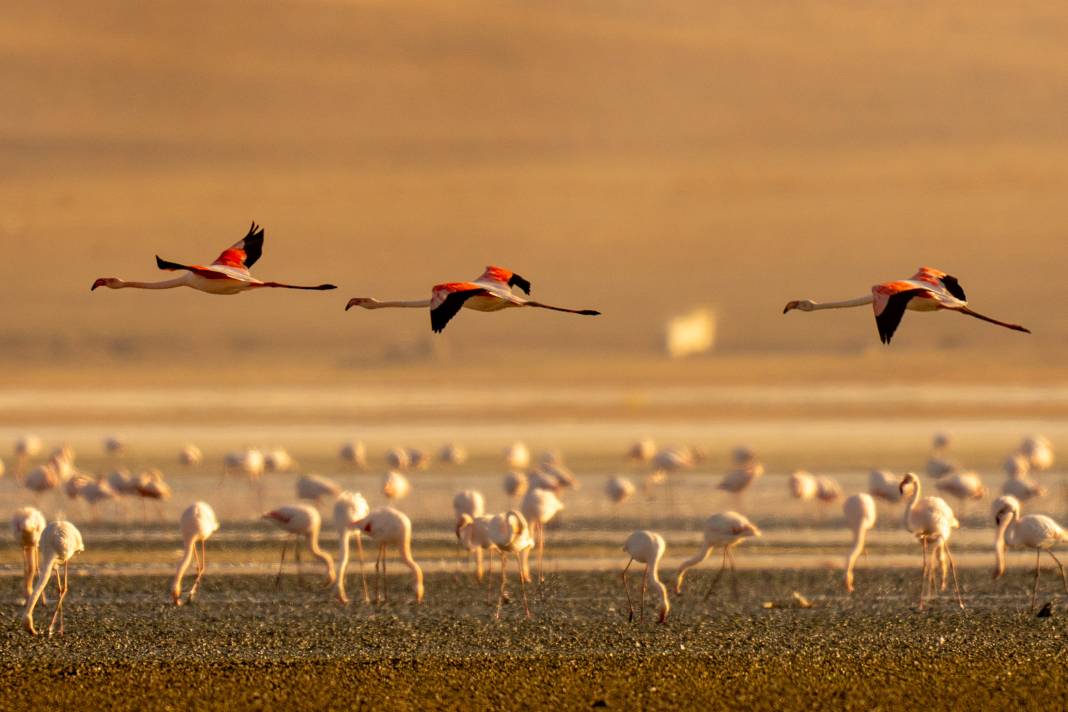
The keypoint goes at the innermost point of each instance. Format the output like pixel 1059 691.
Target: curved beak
pixel 97 283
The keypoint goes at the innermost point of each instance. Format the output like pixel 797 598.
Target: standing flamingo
pixel 473 535
pixel 59 543
pixel 619 489
pixel 932 522
pixel 472 504
pixel 391 527
pixel 228 274
pixel 510 533
pixel 859 510
pixel 354 452
pixel 1019 485
pixel 395 486
pixel 453 454
pixel 197 523
pixel 349 508
pixel 539 506
pixel 314 487
pixel 515 485
pixel 26 446
pixel 301 520
pixel 726 530
pixel 647 548
pixel 517 456
pixel 29 524
pixel 927 290
pixel 190 455
pixel 490 292
pixel 803 485
pixel 1034 531
pixel 884 485
pixel 642 451
pixel 1039 452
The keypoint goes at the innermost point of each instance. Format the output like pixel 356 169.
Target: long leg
pixel 202 564
pixel 500 598
pixel 1064 578
pixel 59 602
pixel 523 587
pixel 719 573
pixel 734 574
pixel 296 555
pixel 478 564
pixel 645 585
pixel 385 581
pixel 540 531
pixel 953 570
pixel 378 575
pixel 363 575
pixel 1034 592
pixel 923 574
pixel 37 571
pixel 630 604
pixel 281 563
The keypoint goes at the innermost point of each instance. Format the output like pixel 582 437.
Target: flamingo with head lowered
pixel 927 290
pixel 490 292
pixel 228 274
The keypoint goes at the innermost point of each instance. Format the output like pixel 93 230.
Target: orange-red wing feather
pixel 505 277
pixel 243 253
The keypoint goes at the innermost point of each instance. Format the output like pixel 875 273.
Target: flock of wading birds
pixel 513 532
pixel 519 531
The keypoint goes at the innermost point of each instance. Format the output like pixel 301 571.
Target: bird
pixel 44 478
pixel 395 486
pixel 60 541
pixel 928 290
pixel 453 454
pixel 249 462
pixel 828 490
pixel 510 534
pixel 190 455
pixel 1039 452
pixel 642 450
pixel 647 548
pixel 29 524
pixel 228 274
pixel 278 460
pixel 723 529
pixel 114 445
pixel 391 527
pixel 539 506
pixel 553 476
pixel 515 485
pixel 492 291
pixel 1034 531
pixel 197 523
pixel 931 521
pixel 354 452
pixel 859 510
pixel 803 485
pixel 301 520
pixel 96 491
pixel 473 534
pixel 963 486
pixel 517 456
pixel 150 485
pixel 472 504
pixel 939 465
pixel 349 509
pixel 417 459
pixel 742 455
pixel 26 446
pixel 1019 484
pixel 397 458
pixel 741 478
pixel 882 484
pixel 315 487
pixel 619 489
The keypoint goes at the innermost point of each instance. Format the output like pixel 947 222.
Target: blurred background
pixel 685 169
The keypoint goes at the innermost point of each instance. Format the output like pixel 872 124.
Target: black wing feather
pixel 168 265
pixel 888 320
pixel 516 281
pixel 953 287
pixel 253 245
pixel 442 313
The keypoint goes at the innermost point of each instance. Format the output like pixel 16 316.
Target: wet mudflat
pixel 244 644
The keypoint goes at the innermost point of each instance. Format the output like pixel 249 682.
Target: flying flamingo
pixel 927 290
pixel 510 533
pixel 228 274
pixel 859 510
pixel 59 542
pixel 197 523
pixel 1035 531
pixel 349 508
pixel 388 526
pixel 539 506
pixel 301 520
pixel 726 530
pixel 647 548
pixel 932 522
pixel 490 292
pixel 28 524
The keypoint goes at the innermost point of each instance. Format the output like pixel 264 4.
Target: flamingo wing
pixel 243 253
pixel 506 277
pixel 445 309
pixel 890 305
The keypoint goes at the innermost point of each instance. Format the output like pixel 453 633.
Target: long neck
pixel 343 552
pixel 187 558
pixel 912 503
pixel 406 556
pixel 652 574
pixel 415 304
pixel 858 546
pixel 313 545
pixel 46 574
pixel 689 564
pixel 999 543
pixel 165 284
pixel 858 302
